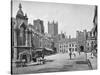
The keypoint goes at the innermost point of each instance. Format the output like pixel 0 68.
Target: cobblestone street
pixel 57 62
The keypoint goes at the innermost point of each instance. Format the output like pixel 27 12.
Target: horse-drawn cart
pixel 38 56
pixel 39 53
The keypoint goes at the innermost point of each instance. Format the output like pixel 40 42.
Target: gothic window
pixel 21 32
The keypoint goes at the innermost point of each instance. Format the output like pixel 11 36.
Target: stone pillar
pixel 15 45
pixel 26 33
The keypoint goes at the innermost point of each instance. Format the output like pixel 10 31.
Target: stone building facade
pixel 85 40
pixel 66 45
pixel 89 43
pixel 92 35
pixel 21 36
pixel 72 45
pixel 25 37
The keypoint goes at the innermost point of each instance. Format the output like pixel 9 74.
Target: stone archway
pixel 25 56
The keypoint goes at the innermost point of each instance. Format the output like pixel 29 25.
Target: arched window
pixel 21 32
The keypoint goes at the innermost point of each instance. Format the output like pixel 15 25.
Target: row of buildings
pixel 66 45
pixel 85 40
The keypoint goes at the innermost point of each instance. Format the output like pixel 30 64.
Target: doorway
pixel 82 48
pixel 24 57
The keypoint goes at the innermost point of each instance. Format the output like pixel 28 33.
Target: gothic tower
pixel 53 28
pixel 20 17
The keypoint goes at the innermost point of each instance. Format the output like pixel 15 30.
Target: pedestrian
pixel 74 54
pixel 70 55
pixel 91 55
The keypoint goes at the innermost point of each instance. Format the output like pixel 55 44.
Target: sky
pixel 70 17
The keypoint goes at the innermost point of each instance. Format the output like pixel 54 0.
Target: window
pixel 60 46
pixel 69 49
pixel 21 34
pixel 75 49
pixel 88 44
pixel 72 45
pixel 75 45
pixel 66 46
pixel 64 51
pixel 88 48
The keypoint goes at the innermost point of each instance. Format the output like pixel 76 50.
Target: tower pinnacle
pixel 20 10
pixel 20 6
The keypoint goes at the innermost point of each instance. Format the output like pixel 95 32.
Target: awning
pixel 39 50
pixel 48 49
pixel 22 47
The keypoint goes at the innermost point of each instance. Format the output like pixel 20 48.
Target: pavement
pixel 57 62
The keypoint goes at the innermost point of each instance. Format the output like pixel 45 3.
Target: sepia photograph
pixel 53 37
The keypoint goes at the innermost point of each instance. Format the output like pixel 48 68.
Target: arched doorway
pixel 81 48
pixel 24 57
